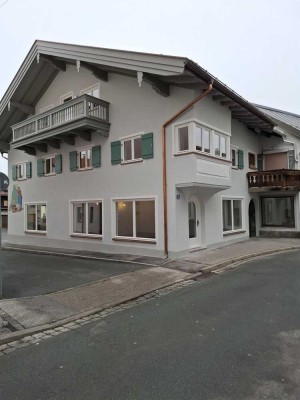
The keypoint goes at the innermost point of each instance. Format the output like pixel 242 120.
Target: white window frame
pixel 255 160
pixel 52 173
pixel 133 238
pixel 23 166
pixel 130 138
pixel 86 201
pixel 240 230
pixel 36 203
pixel 90 88
pixel 235 149
pixel 191 124
pixel 65 96
pixel 80 150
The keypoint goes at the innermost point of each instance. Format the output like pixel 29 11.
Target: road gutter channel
pixel 19 339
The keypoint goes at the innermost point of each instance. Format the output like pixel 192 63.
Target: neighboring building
pixel 83 129
pixel 276 184
pixel 4 208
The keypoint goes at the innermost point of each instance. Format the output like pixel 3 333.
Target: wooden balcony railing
pixel 80 107
pixel 283 178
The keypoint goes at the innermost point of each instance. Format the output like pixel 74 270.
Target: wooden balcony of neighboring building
pixel 78 117
pixel 280 180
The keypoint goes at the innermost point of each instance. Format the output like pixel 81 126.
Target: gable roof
pixel 45 59
pixel 286 117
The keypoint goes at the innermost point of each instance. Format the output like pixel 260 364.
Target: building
pixel 4 208
pixel 125 152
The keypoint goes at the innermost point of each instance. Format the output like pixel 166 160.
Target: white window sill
pixel 52 174
pixel 86 236
pixel 84 169
pixel 134 239
pixel 208 155
pixel 37 232
pixel 138 160
pixel 236 232
pixel 21 179
pixel 234 167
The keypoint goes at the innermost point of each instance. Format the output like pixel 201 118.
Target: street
pixel 232 336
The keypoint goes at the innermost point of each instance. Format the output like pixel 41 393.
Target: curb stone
pixel 60 325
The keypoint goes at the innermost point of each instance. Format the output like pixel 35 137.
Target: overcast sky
pixel 251 46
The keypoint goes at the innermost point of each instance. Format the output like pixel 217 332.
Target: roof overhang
pixel 46 59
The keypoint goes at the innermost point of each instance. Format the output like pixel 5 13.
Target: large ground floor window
pixel 232 215
pixel 36 217
pixel 135 219
pixel 87 218
pixel 278 211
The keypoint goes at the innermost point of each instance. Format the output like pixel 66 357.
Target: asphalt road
pixel 233 336
pixel 26 274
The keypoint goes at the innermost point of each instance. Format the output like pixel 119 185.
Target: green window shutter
pixel 240 159
pixel 40 167
pixel 58 164
pixel 96 156
pixel 28 170
pixel 147 145
pixel 73 160
pixel 14 172
pixel 115 152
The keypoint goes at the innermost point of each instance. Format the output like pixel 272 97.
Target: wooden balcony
pixel 79 116
pixel 282 179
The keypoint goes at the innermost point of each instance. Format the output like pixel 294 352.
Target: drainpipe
pixel 168 122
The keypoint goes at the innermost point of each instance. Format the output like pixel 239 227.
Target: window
pixel 36 217
pixel 278 211
pixel 21 171
pixel 132 149
pixel 202 138
pixel 84 159
pixel 87 218
pixel 183 138
pixel 92 91
pixel 232 215
pixel 195 137
pixel 252 160
pixel 135 219
pixel 234 157
pixel 49 166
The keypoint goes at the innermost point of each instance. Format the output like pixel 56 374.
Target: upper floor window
pixel 49 166
pixel 21 171
pixel 132 149
pixel 234 157
pixel 195 137
pixel 84 158
pixel 252 160
pixel 92 91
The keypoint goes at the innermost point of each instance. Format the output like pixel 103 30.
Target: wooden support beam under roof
pixel 26 108
pixel 87 136
pixel 96 71
pixel 28 150
pixel 55 143
pixel 227 103
pixel 159 86
pixel 57 64
pixel 219 97
pixel 70 139
pixel 42 147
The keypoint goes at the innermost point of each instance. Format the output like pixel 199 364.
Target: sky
pixel 252 46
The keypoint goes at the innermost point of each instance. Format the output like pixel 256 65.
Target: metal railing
pixel 80 107
pixel 282 178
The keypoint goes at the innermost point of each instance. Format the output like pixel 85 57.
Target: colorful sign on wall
pixel 16 203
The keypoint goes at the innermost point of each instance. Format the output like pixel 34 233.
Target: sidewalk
pixel 44 311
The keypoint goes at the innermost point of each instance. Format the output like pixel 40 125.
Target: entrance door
pixel 194 223
pixel 252 221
